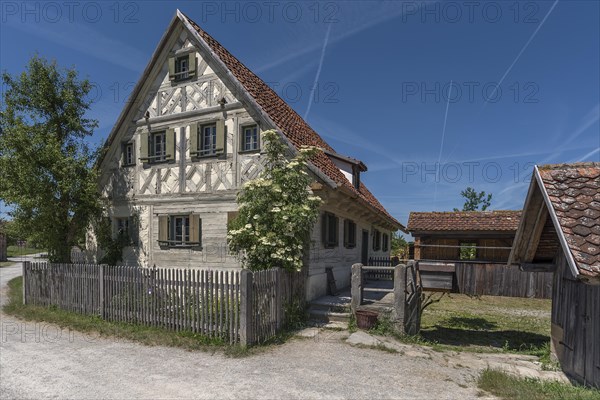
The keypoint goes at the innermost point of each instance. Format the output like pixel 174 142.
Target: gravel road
pixel 43 361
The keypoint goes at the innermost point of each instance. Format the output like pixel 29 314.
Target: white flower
pixel 248 226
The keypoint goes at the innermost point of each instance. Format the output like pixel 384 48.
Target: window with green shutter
pixel 182 67
pixel 376 240
pixel 349 234
pixel 183 231
pixel 329 230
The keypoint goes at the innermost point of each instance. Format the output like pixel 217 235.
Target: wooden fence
pixel 493 279
pixel 237 306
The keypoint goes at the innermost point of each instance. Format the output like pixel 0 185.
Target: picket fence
pixel 237 306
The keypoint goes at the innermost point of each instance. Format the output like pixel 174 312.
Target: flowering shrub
pixel 276 210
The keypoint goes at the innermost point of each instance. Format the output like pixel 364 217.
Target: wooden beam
pixel 536 234
pixel 539 267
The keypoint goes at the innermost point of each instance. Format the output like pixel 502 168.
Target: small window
pixel 122 226
pixel 128 154
pixel 349 234
pixel 208 140
pixel 468 251
pixel 376 240
pixel 386 242
pixel 356 177
pixel 158 146
pixel 329 230
pixel 182 67
pixel 250 138
pixel 179 231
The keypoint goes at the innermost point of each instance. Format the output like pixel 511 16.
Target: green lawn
pixel 16 251
pixel 508 387
pixel 488 323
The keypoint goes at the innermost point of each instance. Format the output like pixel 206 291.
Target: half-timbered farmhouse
pixel 189 138
pixel 560 232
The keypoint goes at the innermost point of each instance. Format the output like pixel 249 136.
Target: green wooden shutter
pixel 195 229
pixel 170 144
pixel 163 228
pixel 171 68
pixel 336 230
pixel 192 64
pixel 144 146
pixel 221 132
pixel 193 139
pixel 133 230
pixel 324 229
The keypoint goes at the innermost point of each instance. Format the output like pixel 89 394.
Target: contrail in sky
pixel 312 91
pixel 437 174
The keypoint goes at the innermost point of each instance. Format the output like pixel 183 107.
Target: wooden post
pixel 26 265
pixel 246 308
pixel 357 287
pixel 279 302
pixel 101 290
pixel 399 296
pixel 417 247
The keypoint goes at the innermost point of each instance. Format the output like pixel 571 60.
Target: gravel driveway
pixel 43 361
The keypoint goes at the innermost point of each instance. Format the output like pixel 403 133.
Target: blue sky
pixel 432 96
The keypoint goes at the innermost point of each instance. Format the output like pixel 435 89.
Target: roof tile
pixel 579 200
pixel 501 220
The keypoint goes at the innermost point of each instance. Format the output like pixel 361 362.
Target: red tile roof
pixel 464 221
pixel 288 121
pixel 574 191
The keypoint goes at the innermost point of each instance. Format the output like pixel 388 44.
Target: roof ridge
pixel 586 164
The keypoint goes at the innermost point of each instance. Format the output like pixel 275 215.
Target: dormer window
pixel 182 66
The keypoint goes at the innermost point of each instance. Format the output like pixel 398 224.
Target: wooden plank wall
pixel 576 326
pixel 3 247
pixel 200 301
pixel 493 279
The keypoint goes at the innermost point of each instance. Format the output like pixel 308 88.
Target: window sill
pixel 350 246
pixel 256 151
pixel 172 245
pixel 127 165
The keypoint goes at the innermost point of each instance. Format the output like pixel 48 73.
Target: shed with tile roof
pixel 483 235
pixel 560 232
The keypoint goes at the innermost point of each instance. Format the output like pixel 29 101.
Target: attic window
pixel 182 67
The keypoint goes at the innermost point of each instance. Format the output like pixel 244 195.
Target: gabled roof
pixel 571 194
pixel 289 123
pixel 464 221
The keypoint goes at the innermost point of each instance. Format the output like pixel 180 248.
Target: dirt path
pixel 43 361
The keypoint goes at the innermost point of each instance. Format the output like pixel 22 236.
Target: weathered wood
pixel 246 285
pixel 357 287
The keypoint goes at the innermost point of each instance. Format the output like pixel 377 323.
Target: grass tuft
pixel 509 387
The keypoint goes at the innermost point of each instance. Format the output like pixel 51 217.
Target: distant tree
pixel 399 246
pixel 474 200
pixel 45 163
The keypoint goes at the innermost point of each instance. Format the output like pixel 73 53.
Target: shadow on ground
pixel 464 331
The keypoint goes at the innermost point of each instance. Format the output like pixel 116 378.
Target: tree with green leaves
pixel 47 167
pixel 399 246
pixel 277 210
pixel 474 200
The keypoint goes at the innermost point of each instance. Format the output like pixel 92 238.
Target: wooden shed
pixel 463 235
pixel 560 232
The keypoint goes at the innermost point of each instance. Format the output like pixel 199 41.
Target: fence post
pixel 399 296
pixel 278 300
pixel 246 308
pixel 357 287
pixel 101 290
pixel 26 265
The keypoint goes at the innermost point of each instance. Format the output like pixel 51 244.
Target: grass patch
pixel 489 323
pixel 6 264
pixel 509 387
pixel 150 336
pixel 16 251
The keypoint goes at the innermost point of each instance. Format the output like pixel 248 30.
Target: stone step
pixel 328 316
pixel 330 306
